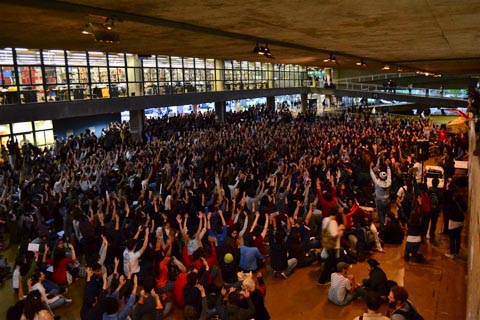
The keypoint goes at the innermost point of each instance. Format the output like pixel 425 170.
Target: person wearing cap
pixel 376 281
pixel 342 288
pixel 229 270
pixel 382 182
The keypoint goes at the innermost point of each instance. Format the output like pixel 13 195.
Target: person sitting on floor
pixel 343 285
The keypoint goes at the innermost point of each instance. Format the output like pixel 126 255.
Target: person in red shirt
pixel 328 199
pixel 60 262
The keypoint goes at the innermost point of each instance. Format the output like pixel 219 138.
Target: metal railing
pixel 373 77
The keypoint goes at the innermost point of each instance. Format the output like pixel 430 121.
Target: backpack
pixel 434 201
pixel 411 314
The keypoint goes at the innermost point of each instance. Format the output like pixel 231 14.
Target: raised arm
pixel 145 242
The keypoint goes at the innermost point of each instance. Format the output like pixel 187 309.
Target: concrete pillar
pixel 270 80
pixel 220 111
pixel 195 108
pixel 328 74
pixel 304 99
pixel 137 118
pixel 134 74
pixel 219 75
pixel 271 103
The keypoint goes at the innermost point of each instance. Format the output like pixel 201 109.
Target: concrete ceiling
pixel 438 36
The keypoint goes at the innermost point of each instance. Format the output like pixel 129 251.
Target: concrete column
pixel 271 103
pixel 220 111
pixel 328 74
pixel 137 118
pixel 219 75
pixel 195 108
pixel 134 89
pixel 270 80
pixel 304 99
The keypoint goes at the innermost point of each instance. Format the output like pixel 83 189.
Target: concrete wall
pixel 473 267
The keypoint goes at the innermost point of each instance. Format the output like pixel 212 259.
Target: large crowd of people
pixel 198 210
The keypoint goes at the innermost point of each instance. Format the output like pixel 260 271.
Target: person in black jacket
pixel 279 260
pixel 455 206
pixel 377 280
pixel 414 235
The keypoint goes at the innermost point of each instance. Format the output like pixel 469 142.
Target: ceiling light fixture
pixel 331 59
pixel 102 32
pixel 258 49
pixel 399 70
pixel 386 67
pixel 267 52
pixel 361 63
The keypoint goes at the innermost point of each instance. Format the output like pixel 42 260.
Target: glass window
pixel 20 127
pixel 199 63
pixel 97 58
pixel 44 138
pixel 78 74
pixel 116 60
pixel 6 56
pixel 210 63
pixel 53 57
pixel 24 138
pixel 117 74
pixel 4 129
pixel 32 94
pixel 149 62
pixel 40 138
pixel 43 124
pixel 54 75
pixel 163 61
pixel 7 76
pixel 27 56
pixel 30 75
pixel 188 62
pixel 77 58
pixel 176 62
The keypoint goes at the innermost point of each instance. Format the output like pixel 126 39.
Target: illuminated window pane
pixel 40 138
pixel 6 56
pixel 27 56
pixel 20 127
pixel 24 138
pixel 54 57
pixel 199 63
pixel 49 137
pixel 176 62
pixel 43 125
pixel 117 60
pixel 163 61
pixel 97 58
pixel 77 58
pixel 4 129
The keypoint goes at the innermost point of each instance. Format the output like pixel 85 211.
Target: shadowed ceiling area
pixel 432 36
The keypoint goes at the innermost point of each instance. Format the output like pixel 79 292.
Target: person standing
pixel 434 195
pixel 382 182
pixel 331 233
pixel 455 206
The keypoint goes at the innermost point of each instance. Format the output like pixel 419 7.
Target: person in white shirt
pixel 131 257
pixel 343 285
pixel 373 304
